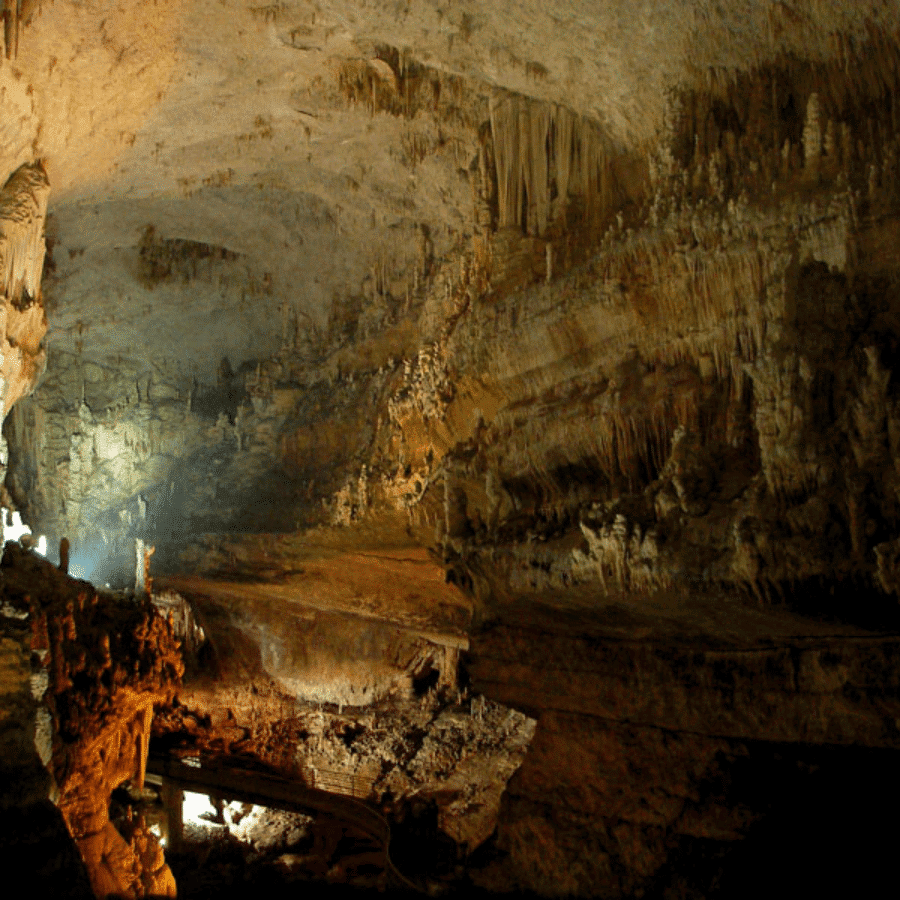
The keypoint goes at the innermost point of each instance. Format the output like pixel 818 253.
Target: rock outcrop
pixel 570 338
pixel 99 668
pixel 23 210
pixel 682 735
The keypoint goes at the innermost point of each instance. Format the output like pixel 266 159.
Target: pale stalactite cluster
pixel 23 209
pixel 546 157
pixel 710 317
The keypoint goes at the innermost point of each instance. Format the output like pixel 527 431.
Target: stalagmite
pixel 145 721
pixel 141 560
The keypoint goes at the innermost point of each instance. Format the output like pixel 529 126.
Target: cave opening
pixel 425 680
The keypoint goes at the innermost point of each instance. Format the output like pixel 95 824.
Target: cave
pixel 449 448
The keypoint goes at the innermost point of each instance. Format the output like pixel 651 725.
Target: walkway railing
pixel 273 791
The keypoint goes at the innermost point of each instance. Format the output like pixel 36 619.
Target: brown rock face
pixel 554 349
pixel 651 748
pixel 103 668
pixel 23 209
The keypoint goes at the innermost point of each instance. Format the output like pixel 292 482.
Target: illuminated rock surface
pixel 451 356
pixel 98 669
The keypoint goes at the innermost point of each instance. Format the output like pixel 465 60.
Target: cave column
pixel 173 802
pixel 145 722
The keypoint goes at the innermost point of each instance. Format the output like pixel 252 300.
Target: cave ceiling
pixel 378 192
pixel 278 133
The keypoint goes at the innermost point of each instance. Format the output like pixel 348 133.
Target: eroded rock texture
pixel 23 209
pixel 565 336
pixel 321 677
pixel 674 371
pixel 665 743
pixel 99 668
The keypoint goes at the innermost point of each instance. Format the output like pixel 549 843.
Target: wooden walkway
pixel 263 789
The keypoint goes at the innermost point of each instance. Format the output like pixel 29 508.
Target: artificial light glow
pixel 15 529
pixel 197 809
pixel 233 816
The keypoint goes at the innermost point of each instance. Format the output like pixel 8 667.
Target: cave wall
pixel 670 759
pixel 23 210
pixel 607 333
pixel 650 371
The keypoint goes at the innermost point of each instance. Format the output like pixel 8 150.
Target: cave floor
pixel 405 587
pixel 691 727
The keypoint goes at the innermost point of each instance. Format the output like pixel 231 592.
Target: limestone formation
pixel 503 391
pixel 23 210
pixel 104 667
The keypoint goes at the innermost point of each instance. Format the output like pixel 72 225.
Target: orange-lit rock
pixel 107 664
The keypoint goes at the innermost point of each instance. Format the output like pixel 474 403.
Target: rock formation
pixel 23 210
pixel 452 357
pixel 99 669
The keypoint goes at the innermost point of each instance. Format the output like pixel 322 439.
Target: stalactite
pixel 23 209
pixel 564 131
pixel 537 183
pixel 545 155
pixel 812 134
pixel 12 17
